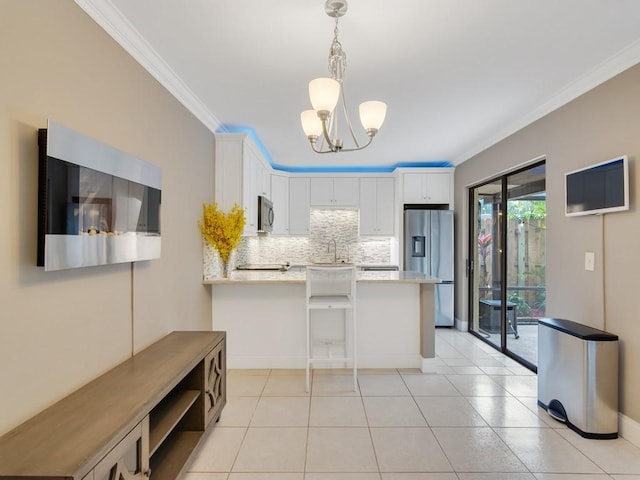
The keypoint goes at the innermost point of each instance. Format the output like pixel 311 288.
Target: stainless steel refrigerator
pixel 428 248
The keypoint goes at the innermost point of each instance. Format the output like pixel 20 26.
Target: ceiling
pixel 457 75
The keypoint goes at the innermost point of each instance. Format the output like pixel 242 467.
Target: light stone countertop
pixel 252 277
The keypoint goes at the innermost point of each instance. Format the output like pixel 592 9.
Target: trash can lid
pixel 578 330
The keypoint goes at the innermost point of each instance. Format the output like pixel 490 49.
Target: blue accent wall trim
pixel 252 133
pixel 327 168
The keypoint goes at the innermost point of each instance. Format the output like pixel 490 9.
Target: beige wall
pixel 60 329
pixel 595 127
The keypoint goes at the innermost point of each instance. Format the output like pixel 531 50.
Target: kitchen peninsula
pixel 263 314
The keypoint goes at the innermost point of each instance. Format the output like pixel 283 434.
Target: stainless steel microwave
pixel 265 214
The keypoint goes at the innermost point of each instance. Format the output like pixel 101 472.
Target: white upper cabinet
pixel 299 206
pixel 249 191
pixel 321 191
pixel 427 188
pixel 241 174
pixel 280 199
pixel 263 180
pixel 334 191
pixel 377 206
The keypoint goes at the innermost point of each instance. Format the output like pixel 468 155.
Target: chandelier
pixel 326 92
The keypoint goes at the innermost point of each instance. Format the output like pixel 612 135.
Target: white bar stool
pixel 331 288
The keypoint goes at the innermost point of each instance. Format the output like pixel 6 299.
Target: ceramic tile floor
pixel 475 419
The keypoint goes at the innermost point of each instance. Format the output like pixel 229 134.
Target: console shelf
pixel 167 415
pixel 173 454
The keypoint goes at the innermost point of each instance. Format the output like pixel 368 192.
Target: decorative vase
pixel 223 231
pixel 225 269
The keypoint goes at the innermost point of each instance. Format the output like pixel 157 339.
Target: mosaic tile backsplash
pixel 325 227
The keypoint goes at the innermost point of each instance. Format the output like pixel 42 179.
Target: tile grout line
pixel 429 426
pixel 246 431
pixel 520 384
pixel 306 448
pixel 488 425
pixel 545 427
pixel 366 416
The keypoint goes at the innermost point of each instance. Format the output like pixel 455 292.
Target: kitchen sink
pixel 379 268
pixel 332 264
pixel 282 267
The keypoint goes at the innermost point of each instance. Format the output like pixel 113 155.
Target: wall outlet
pixel 589 261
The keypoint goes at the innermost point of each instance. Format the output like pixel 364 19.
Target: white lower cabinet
pixel 377 206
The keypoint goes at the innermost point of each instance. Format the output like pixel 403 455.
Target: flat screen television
pixel 597 189
pixel 96 205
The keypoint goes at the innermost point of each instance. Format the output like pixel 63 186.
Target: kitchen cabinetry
pixel 334 191
pixel 299 205
pixel 263 178
pixel 241 174
pixel 396 327
pixel 377 206
pixel 427 188
pixel 248 194
pixel 148 413
pixel 280 199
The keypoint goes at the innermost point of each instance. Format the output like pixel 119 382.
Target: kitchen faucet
pixel 335 249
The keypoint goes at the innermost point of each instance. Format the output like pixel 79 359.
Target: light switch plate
pixel 589 261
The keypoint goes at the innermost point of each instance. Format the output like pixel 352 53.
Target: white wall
pixel 59 330
pixel 599 125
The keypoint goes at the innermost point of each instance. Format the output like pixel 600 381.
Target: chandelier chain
pixel 337 57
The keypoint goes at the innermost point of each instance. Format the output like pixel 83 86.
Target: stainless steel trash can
pixel 578 376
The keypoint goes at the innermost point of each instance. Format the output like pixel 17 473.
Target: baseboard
pixel 629 429
pixel 462 325
pixel 429 365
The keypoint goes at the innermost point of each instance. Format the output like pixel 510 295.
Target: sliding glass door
pixel 487 274
pixel 507 261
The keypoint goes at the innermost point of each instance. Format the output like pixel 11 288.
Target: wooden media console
pixel 142 418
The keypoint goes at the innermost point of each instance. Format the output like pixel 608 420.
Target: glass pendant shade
pixel 311 124
pixel 324 93
pixel 372 114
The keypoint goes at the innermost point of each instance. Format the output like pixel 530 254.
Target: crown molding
pixel 618 63
pixel 250 132
pixel 107 16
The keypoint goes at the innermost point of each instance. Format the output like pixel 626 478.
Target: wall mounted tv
pixel 598 189
pixel 96 204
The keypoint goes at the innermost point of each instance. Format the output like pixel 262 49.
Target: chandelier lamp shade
pixel 327 97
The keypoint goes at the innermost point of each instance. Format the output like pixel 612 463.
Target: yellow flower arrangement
pixel 222 230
